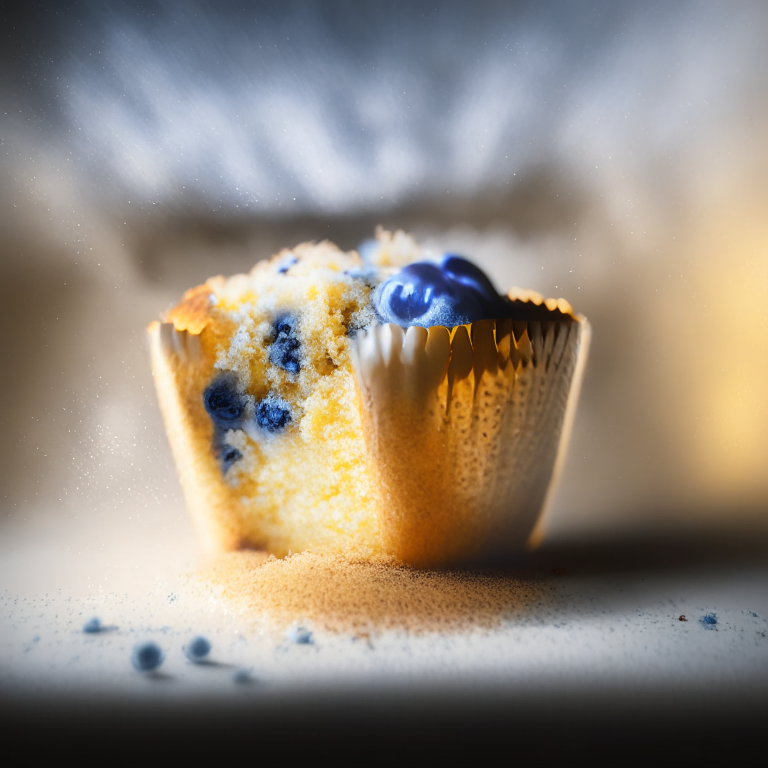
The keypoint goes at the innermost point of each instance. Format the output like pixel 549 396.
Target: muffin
pixel 374 404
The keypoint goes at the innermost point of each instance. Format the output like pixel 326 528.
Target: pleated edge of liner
pixel 438 351
pixel 174 342
pixel 532 297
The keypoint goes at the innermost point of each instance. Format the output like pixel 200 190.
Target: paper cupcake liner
pixel 466 429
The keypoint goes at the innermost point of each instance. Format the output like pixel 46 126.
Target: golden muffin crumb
pixel 366 594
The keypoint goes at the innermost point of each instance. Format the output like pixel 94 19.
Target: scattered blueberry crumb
pixel 681 617
pixel 300 636
pixel 284 350
pixel 752 613
pixel 242 676
pixel 93 626
pixel 709 620
pixel 198 649
pixel 147 657
pixel 272 414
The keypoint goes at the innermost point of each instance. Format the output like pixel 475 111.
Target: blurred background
pixel 612 154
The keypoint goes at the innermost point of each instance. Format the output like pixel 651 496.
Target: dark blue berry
pixel 462 271
pixel 273 414
pixel 453 292
pixel 225 405
pixel 198 649
pixel 93 626
pixel 147 657
pixel 225 453
pixel 284 350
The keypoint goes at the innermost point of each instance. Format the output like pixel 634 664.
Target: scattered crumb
pixel 93 626
pixel 681 617
pixel 243 676
pixel 300 636
pixel 360 595
pixel 147 657
pixel 198 649
pixel 709 621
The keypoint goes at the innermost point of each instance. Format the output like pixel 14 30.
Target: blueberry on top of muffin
pixel 453 292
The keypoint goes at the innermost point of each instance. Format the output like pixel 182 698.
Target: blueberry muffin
pixel 370 404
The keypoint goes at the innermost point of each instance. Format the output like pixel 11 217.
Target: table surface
pixel 605 631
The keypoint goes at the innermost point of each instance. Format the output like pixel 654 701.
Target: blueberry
pixel 709 621
pixel 93 626
pixel 198 649
pixel 454 292
pixel 462 271
pixel 147 657
pixel 225 405
pixel 300 636
pixel 273 414
pixel 225 453
pixel 284 350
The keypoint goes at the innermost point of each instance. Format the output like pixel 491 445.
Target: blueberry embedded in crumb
pixel 225 453
pixel 225 405
pixel 147 657
pixel 198 649
pixel 229 456
pixel 300 636
pixel 273 414
pixel 709 621
pixel 93 626
pixel 284 350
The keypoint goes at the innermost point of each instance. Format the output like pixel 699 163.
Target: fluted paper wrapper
pixel 466 429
